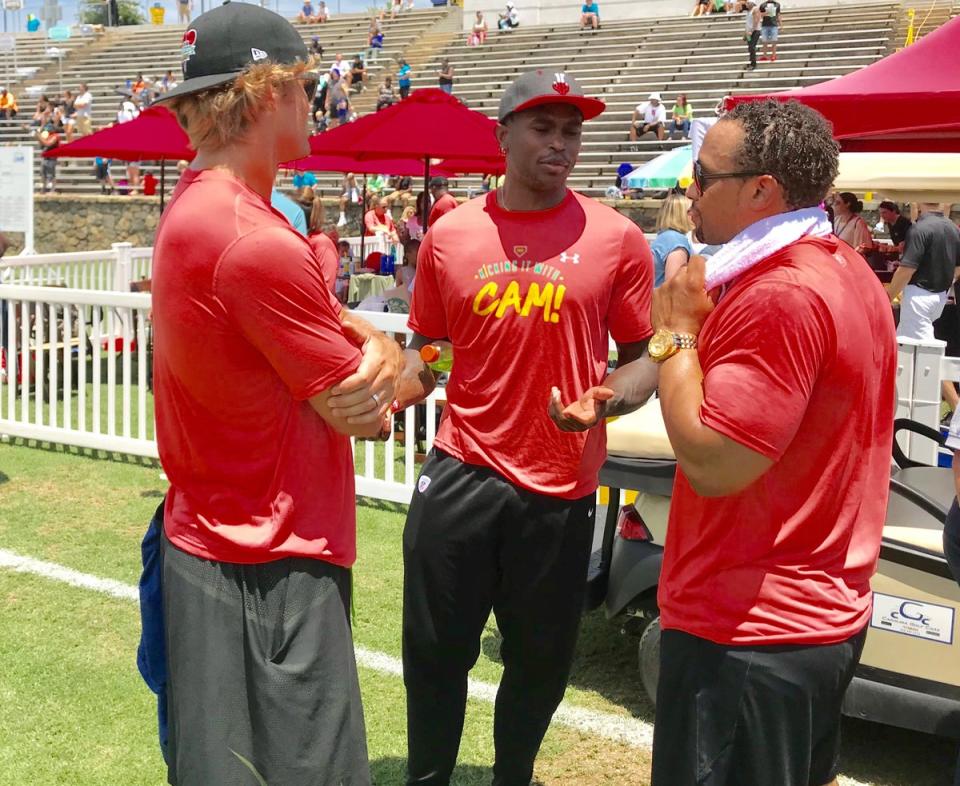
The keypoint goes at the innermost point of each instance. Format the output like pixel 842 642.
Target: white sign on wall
pixel 16 192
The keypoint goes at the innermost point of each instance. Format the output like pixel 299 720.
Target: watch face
pixel 660 343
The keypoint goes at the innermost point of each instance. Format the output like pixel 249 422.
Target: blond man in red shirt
pixel 251 349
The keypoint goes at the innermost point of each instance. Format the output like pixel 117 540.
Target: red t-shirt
pixel 528 299
pixel 372 222
pixel 441 207
pixel 799 361
pixel 246 331
pixel 327 255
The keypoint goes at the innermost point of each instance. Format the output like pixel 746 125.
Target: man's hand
pixel 366 395
pixel 583 414
pixel 682 304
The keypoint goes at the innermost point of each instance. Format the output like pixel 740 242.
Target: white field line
pixel 628 731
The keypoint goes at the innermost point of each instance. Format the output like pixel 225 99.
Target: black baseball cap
pixel 438 182
pixel 222 43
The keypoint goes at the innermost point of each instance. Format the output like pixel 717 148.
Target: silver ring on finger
pixel 376 399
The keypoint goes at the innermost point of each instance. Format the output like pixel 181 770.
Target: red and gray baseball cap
pixel 536 88
pixel 222 43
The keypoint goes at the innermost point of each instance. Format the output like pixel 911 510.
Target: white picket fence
pixel 75 372
pixel 110 270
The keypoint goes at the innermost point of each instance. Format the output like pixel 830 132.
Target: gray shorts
pixel 262 674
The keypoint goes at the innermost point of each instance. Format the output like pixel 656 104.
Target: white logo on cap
pixel 258 54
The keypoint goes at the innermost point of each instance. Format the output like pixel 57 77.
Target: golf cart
pixel 909 675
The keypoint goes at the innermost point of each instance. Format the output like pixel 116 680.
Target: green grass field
pixel 73 709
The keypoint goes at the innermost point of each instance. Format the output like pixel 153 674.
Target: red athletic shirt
pixel 527 299
pixel 245 332
pixel 327 255
pixel 441 207
pixel 799 363
pixel 372 222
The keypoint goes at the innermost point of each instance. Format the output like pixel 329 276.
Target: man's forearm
pixel 901 278
pixel 632 385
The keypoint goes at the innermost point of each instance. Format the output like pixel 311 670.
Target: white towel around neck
pixel 763 239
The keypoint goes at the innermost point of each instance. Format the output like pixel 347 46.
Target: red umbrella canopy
pixel 475 166
pixel 428 124
pixel 373 166
pixel 154 135
pixel 906 102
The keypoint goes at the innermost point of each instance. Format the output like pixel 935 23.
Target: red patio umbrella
pixel 155 135
pixel 906 102
pixel 429 124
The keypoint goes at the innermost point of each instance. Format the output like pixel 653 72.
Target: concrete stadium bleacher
pixel 621 63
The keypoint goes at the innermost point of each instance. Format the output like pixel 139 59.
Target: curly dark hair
pixel 791 142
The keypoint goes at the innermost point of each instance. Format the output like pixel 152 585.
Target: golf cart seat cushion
pixel 640 434
pixel 919 537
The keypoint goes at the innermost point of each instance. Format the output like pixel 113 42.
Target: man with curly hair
pixel 253 356
pixel 778 395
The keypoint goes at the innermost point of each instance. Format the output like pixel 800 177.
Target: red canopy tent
pixel 429 124
pixel 906 102
pixel 155 135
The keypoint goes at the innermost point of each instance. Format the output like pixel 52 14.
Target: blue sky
pixel 288 8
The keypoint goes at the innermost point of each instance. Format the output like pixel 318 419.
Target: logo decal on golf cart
pixel 910 617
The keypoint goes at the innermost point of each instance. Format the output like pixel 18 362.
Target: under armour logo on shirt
pixel 565 257
pixel 258 54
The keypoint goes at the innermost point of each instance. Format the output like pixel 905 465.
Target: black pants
pixel 746 716
pixel 474 541
pixel 752 47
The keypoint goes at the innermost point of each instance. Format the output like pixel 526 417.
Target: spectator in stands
pixel 590 15
pixel 350 194
pixel 358 74
pixel 649 118
pixel 184 11
pixel 48 139
pixel 41 113
pixel 128 111
pixel 400 193
pixel 682 117
pixel 378 221
pixel 719 7
pixel 478 33
pixel 671 248
pixel 102 172
pixel 316 48
pixel 388 95
pixel 307 15
pixel 510 18
pixel 302 180
pixel 403 78
pixel 375 38
pixel 323 14
pixel 341 66
pixel 443 200
pixel 338 102
pixel 376 184
pixel 69 114
pixel 445 76
pixel 84 107
pixel 168 82
pixel 8 104
pixel 702 8
pixel 848 224
pixel 751 32
pixel 770 27
pixel 138 85
pixel 396 6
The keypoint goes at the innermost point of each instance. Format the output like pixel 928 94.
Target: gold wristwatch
pixel 665 343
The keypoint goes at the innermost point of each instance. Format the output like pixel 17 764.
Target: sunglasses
pixel 701 179
pixel 310 82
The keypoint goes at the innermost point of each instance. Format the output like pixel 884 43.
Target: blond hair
pixel 213 118
pixel 673 214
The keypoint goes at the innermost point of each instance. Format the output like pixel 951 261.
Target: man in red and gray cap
pixel 252 356
pixel 525 282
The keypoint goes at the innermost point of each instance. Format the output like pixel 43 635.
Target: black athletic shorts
pixel 750 716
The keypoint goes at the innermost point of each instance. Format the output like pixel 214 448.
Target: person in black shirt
pixel 897 225
pixel 927 270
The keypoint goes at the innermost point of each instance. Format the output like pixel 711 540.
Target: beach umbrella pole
pixel 163 180
pixel 426 191
pixel 363 225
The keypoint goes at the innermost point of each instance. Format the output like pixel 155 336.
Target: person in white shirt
pixel 510 18
pixel 649 117
pixel 341 66
pixel 129 111
pixel 83 105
